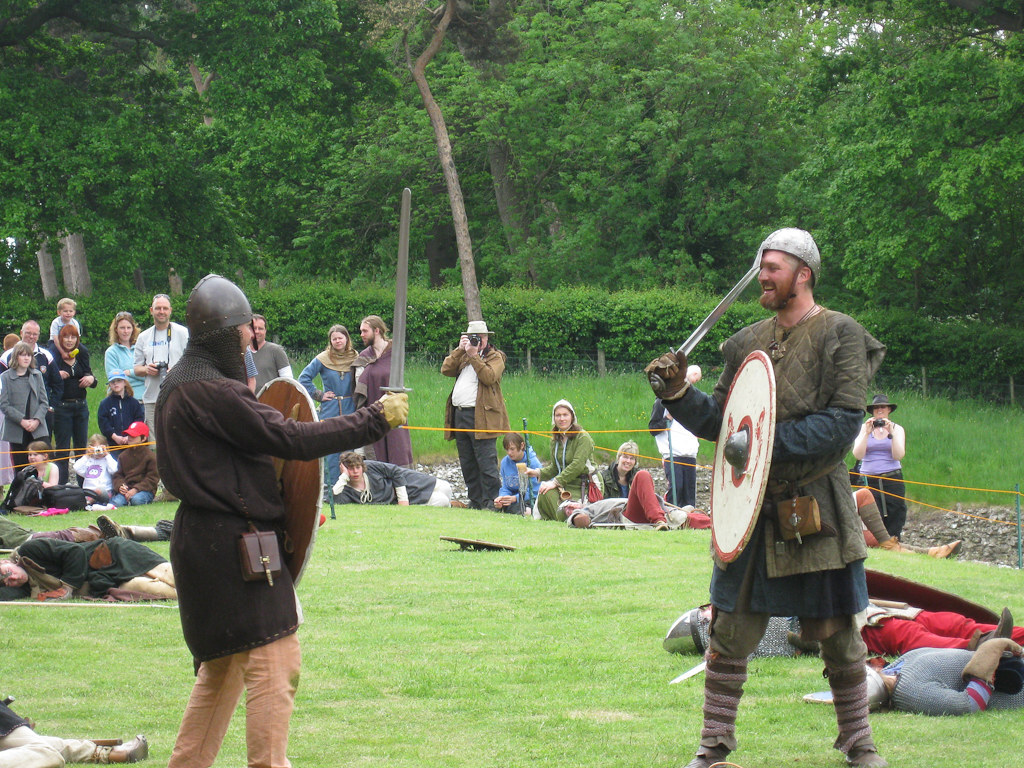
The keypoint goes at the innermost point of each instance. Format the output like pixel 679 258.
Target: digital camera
pixel 878 423
pixel 474 339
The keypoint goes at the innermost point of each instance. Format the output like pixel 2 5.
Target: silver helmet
pixel 216 303
pixel 795 242
pixel 684 635
pixel 878 694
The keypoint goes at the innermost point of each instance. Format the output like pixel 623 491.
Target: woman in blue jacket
pixel 334 367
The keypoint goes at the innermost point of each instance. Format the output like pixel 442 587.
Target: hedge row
pixel 569 323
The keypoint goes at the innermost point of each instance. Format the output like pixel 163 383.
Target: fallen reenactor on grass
pixel 59 569
pixel 378 482
pixel 876 535
pixel 14 535
pixel 22 747
pixel 947 681
pixel 891 629
pixel 622 513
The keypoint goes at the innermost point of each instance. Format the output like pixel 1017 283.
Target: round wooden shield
pixel 301 482
pixel 737 492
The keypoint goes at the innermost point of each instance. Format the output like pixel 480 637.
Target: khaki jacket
pixel 490 414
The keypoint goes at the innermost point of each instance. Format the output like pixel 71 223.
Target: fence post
pixel 529 360
pixel 1020 560
pixel 1013 401
pixel 924 381
pixel 601 369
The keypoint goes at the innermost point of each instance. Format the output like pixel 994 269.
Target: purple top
pixel 878 456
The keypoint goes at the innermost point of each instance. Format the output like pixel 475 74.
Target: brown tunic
pixel 214 453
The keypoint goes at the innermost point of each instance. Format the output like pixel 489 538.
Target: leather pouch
pixel 260 556
pixel 101 557
pixel 798 517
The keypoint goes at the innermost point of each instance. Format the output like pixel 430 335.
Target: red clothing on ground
pixel 894 637
pixel 642 505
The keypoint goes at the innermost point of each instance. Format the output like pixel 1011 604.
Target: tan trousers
pixel 159 582
pixel 269 676
pixel 24 748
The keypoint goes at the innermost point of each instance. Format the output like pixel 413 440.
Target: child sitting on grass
pixel 510 496
pixel 96 468
pixel 136 479
pixel 39 457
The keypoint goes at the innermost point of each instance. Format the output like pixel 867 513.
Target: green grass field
pixel 418 654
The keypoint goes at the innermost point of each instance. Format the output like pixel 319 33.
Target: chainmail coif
pixel 213 355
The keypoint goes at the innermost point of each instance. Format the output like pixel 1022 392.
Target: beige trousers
pixel 24 748
pixel 269 676
pixel 159 582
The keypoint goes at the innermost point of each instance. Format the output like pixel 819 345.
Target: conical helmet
pixel 795 242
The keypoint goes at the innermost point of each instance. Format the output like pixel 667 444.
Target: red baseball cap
pixel 137 429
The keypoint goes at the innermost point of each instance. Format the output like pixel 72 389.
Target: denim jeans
pixel 70 425
pixel 140 498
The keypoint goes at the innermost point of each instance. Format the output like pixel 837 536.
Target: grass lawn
pixel 419 654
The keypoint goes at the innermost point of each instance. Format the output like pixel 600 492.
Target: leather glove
pixel 396 408
pixel 667 376
pixel 985 660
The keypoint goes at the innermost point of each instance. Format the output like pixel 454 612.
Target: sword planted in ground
pixel 396 378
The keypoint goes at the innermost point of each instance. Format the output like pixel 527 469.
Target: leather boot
pixel 946 550
pixel 1003 629
pixel 850 697
pixel 135 750
pixel 92 533
pixel 708 756
pixel 110 529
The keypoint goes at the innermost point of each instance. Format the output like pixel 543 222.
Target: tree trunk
pixel 47 274
pixel 470 288
pixel 513 222
pixel 140 280
pixel 73 263
pixel 438 252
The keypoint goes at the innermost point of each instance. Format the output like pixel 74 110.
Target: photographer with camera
pixel 476 403
pixel 879 448
pixel 156 351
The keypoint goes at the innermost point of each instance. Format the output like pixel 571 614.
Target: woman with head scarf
pixel 334 367
pixel 571 452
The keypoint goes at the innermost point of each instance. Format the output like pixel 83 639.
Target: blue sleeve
pixel 103 419
pixel 309 373
pixel 509 477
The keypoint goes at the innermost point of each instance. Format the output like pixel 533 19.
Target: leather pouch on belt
pixel 798 517
pixel 100 557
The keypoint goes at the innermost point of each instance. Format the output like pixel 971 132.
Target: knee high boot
pixel 850 697
pixel 723 687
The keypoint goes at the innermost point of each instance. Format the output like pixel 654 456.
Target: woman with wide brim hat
pixel 880 448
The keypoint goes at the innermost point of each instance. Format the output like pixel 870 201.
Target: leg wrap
pixel 723 687
pixel 850 696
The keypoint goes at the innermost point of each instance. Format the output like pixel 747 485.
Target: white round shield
pixel 737 491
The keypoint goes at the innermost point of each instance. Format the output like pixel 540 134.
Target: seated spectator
pixel 612 512
pixel 118 410
pixel 119 358
pixel 137 478
pixel 39 457
pixel 377 482
pixel 624 480
pixel 876 534
pixel 66 310
pixel 58 569
pixel 96 469
pixel 571 452
pixel 22 747
pixel 511 497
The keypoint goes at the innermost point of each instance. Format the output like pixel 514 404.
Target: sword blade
pixel 396 378
pixel 718 311
pixel 689 673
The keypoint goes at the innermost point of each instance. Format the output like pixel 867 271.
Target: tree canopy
pixel 614 143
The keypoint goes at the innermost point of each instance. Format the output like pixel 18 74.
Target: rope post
pixel 1020 560
pixel 672 472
